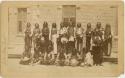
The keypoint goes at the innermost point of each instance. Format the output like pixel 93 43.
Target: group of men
pixel 65 46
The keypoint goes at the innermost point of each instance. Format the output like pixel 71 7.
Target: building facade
pixel 56 13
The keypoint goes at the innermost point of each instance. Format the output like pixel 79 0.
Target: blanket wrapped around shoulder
pixel 25 61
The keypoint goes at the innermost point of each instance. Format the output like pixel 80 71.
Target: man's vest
pixel 79 32
pixel 45 31
pixel 97 37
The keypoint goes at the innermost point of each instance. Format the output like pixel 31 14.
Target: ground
pixel 107 69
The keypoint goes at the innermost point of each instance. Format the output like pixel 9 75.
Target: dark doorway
pixel 69 14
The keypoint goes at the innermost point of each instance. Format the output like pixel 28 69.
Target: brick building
pixel 19 16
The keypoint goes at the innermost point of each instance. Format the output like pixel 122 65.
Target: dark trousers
pixel 71 46
pixel 79 41
pixel 28 44
pixel 88 39
pixel 37 49
pixel 97 55
pixel 62 51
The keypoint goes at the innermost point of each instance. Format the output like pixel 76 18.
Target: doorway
pixel 69 14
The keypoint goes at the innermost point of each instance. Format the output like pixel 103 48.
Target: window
pixel 22 16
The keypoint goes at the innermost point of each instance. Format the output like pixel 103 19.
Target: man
pixel 62 44
pixel 45 33
pixel 36 40
pixel 54 40
pixel 79 37
pixel 88 36
pixel 71 42
pixel 71 33
pixel 36 33
pixel 26 57
pixel 97 45
pixel 108 40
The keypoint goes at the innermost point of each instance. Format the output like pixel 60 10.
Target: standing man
pixel 54 40
pixel 45 34
pixel 28 40
pixel 79 37
pixel 79 41
pixel 36 40
pixel 28 44
pixel 97 45
pixel 88 37
pixel 62 43
pixel 71 43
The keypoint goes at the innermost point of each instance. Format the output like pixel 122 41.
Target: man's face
pixel 36 26
pixel 98 25
pixel 28 25
pixel 79 25
pixel 54 25
pixel 88 25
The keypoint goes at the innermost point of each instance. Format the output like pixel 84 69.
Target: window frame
pixel 21 19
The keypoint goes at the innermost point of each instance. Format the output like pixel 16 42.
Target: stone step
pixel 105 59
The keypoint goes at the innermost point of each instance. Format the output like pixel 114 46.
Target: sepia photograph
pixel 52 39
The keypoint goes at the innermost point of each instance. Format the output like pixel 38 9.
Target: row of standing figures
pixel 66 47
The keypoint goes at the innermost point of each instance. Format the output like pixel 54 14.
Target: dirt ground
pixel 52 71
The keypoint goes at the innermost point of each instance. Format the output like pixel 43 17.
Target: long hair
pixel 54 29
pixel 53 25
pixel 61 25
pixel 98 25
pixel 28 29
pixel 28 25
pixel 37 25
pixel 108 29
pixel 89 26
pixel 45 25
pixel 78 25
